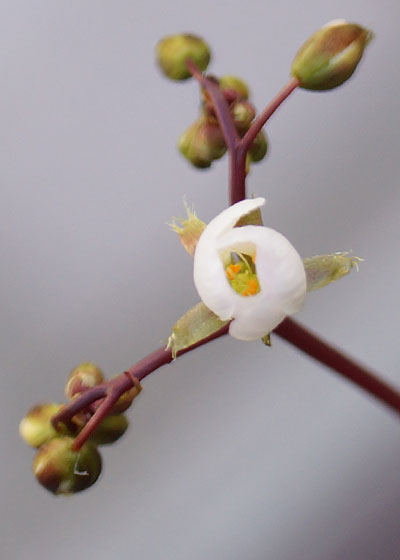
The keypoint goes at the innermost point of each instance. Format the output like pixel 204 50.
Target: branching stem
pixel 107 394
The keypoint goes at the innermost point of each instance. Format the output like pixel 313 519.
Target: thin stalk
pixel 221 107
pixel 269 110
pixel 317 348
pixel 113 389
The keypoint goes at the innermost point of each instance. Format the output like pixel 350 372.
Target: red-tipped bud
pixel 259 147
pixel 243 113
pixel 232 83
pixel 61 470
pixel 330 56
pixel 202 143
pixel 174 50
pixel 36 427
pixel 84 376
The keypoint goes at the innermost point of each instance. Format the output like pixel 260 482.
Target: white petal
pixel 209 274
pixel 281 276
pixel 280 273
pixel 230 216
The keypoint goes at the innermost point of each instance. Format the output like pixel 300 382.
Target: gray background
pixel 236 451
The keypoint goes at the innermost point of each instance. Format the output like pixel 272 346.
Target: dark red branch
pixel 220 105
pixel 113 389
pixel 269 110
pixel 320 350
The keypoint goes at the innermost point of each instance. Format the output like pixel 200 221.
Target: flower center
pixel 241 274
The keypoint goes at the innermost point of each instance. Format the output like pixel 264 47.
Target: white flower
pixel 276 282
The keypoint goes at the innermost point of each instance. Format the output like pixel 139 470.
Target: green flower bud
pixel 243 113
pixel 109 430
pixel 330 56
pixel 202 143
pixel 174 50
pixel 236 84
pixel 125 400
pixel 259 147
pixel 36 428
pixel 62 470
pixel 84 376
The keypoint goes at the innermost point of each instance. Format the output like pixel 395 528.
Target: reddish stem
pixel 269 110
pixel 237 175
pixel 112 390
pixel 320 350
pixel 221 107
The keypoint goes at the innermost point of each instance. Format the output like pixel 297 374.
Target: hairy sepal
pixel 321 270
pixel 195 325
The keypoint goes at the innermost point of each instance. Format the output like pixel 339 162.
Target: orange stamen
pixel 252 288
pixel 232 270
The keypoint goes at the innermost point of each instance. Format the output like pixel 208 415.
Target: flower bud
pixel 36 427
pixel 243 113
pixel 62 470
pixel 330 56
pixel 236 84
pixel 125 401
pixel 174 50
pixel 202 143
pixel 84 376
pixel 109 430
pixel 259 147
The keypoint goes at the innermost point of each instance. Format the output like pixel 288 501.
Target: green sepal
pixel 321 270
pixel 195 325
pixel 253 218
pixel 266 339
pixel 189 230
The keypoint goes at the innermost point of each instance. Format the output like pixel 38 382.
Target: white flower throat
pixel 241 274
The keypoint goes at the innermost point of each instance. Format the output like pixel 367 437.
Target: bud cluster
pixel 57 465
pixel 203 142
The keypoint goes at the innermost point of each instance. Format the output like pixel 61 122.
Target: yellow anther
pixel 232 270
pixel 252 287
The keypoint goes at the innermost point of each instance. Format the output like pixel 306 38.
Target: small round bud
pixel 36 428
pixel 236 84
pixel 259 147
pixel 109 430
pixel 202 143
pixel 84 376
pixel 243 113
pixel 330 56
pixel 125 400
pixel 174 50
pixel 62 470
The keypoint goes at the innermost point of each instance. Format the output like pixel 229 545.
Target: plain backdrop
pixel 236 450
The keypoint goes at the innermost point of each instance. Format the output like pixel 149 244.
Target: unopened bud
pixel 202 143
pixel 84 376
pixel 36 427
pixel 62 470
pixel 243 113
pixel 259 147
pixel 174 50
pixel 330 56
pixel 236 84
pixel 109 430
pixel 125 400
